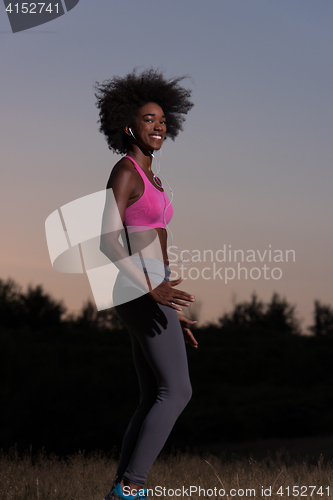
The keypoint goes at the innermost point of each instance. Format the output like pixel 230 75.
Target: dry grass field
pixel 88 477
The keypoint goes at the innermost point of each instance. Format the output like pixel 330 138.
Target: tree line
pixel 37 309
pixel 69 383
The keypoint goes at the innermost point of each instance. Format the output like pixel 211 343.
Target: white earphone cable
pixel 165 208
pixel 158 160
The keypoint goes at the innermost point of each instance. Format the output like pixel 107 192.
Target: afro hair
pixel 119 100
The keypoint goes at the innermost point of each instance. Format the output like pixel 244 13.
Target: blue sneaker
pixel 118 494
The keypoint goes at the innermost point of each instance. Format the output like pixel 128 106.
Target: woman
pixel 137 113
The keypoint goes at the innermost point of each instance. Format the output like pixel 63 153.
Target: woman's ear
pixel 127 130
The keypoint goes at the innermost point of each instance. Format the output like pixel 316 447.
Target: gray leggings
pixel 161 364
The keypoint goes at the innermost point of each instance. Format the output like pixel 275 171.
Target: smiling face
pixel 150 126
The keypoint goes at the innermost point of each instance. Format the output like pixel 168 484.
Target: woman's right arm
pixel 120 188
pixel 123 186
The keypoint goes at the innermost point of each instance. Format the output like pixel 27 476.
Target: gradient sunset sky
pixel 252 169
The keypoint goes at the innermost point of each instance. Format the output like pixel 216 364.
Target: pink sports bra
pixel 153 209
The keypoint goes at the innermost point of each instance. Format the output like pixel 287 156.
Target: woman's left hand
pixel 188 335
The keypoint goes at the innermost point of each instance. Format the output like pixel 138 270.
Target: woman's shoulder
pixel 122 172
pixel 122 166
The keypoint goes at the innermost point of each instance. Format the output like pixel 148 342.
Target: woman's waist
pixel 151 265
pixel 156 271
pixel 150 245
